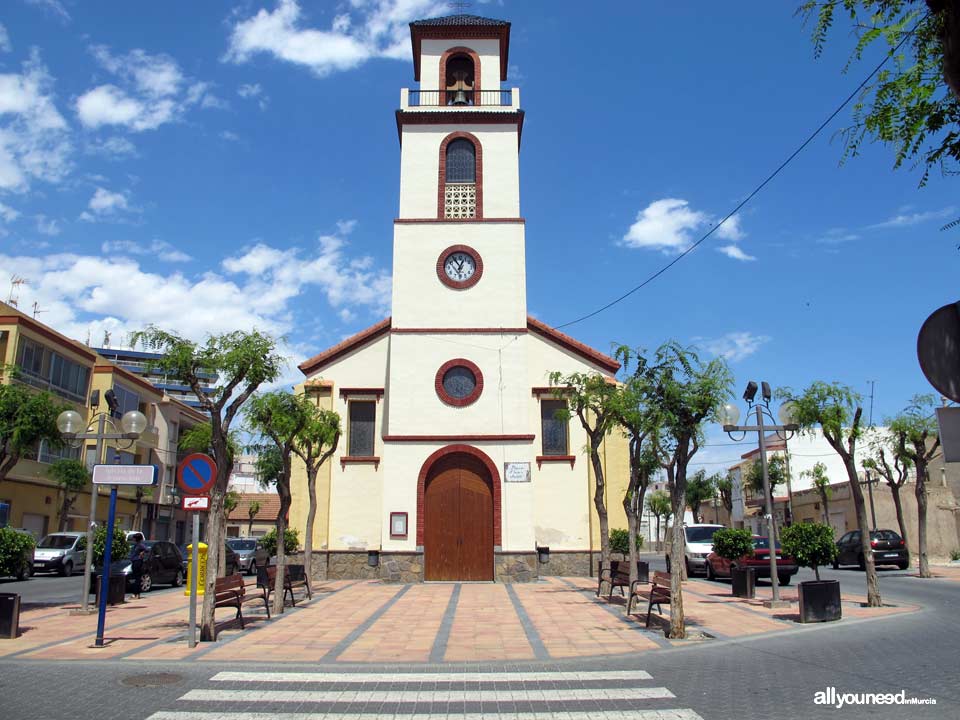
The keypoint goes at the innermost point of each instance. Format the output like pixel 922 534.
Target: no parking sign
pixel 196 474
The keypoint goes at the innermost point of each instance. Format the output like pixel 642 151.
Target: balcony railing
pixel 460 100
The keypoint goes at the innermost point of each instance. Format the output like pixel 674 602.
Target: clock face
pixel 460 266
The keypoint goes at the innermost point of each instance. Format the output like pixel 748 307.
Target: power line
pixel 755 191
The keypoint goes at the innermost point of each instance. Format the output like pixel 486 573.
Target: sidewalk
pixel 352 621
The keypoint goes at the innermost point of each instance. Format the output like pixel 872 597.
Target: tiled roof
pixel 460 20
pixel 341 348
pixel 564 340
pixel 269 507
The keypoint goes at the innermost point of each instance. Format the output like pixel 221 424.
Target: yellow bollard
pixel 202 575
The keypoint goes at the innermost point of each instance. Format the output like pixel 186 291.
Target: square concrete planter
pixel 743 581
pixel 819 601
pixel 9 616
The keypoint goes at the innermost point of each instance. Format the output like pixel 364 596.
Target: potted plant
pixel 733 544
pixel 812 545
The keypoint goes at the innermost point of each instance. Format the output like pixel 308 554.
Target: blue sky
pixel 214 165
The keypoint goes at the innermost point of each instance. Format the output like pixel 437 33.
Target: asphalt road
pixel 45 589
pixel 763 678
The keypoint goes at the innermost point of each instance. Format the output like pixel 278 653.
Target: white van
pixel 699 544
pixel 63 553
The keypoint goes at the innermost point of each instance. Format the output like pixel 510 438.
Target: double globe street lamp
pixel 75 430
pixel 729 416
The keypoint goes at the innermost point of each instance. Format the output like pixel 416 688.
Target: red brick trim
pixel 446 57
pixel 460 117
pixel 565 341
pixel 441 187
pixel 554 390
pixel 353 391
pixel 460 438
pixel 360 460
pixel 555 458
pixel 445 396
pixel 459 331
pixel 424 221
pixel 342 348
pixel 459 284
pixel 461 32
pixel 494 481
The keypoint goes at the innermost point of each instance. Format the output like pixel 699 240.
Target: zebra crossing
pixel 466 695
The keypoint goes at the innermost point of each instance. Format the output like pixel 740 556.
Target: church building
pixel 453 464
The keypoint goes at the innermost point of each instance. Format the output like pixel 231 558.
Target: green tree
pixel 810 544
pixel 291 541
pixel 658 503
pixel 231 499
pixel 16 552
pixel 280 417
pixel 777 475
pixel 895 475
pixel 119 549
pixel 199 439
pixel 243 361
pixel 918 441
pixel 700 489
pixel 314 445
pixel 836 409
pixel 913 103
pixel 724 485
pixel 592 397
pixel 688 393
pixel 818 476
pixel 252 511
pixel 71 476
pixel 27 417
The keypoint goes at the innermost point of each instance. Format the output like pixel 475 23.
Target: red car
pixel 718 567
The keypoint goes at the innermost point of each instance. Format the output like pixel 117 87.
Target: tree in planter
pixel 810 544
pixel 243 361
pixel 917 438
pixel 732 544
pixel 659 506
pixel 280 417
pixel 252 511
pixel 27 418
pixel 591 397
pixel 71 476
pixel 700 489
pixel 687 393
pixel 896 476
pixel 836 409
pixel 118 550
pixel 818 476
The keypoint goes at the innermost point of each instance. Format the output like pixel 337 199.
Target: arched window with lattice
pixel 460 186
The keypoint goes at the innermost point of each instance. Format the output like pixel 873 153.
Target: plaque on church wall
pixel 516 472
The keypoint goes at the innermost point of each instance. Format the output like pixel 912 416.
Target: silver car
pixel 251 553
pixel 62 552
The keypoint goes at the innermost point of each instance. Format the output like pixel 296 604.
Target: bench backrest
pixel 231 584
pixel 661 579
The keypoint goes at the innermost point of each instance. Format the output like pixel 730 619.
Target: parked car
pixel 699 544
pixel 887 547
pixel 162 566
pixel 252 554
pixel 759 560
pixel 232 559
pixel 62 552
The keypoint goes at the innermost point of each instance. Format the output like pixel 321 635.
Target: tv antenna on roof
pixel 37 310
pixel 459 6
pixel 15 282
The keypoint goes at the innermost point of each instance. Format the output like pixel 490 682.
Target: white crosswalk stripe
pixel 520 695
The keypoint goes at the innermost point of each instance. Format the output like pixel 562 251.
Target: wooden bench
pixel 658 593
pixel 618 575
pixel 297 577
pixel 293 577
pixel 230 591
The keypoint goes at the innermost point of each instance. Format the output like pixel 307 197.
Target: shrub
pixel 955 555
pixel 732 544
pixel 16 552
pixel 291 541
pixel 810 544
pixel 118 551
pixel 620 541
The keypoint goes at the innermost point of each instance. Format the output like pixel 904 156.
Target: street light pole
pixel 88 556
pixel 771 522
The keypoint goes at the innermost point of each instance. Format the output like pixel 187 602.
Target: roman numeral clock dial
pixel 459 267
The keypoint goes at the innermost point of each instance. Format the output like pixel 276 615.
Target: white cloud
pixel 160 249
pixel 105 201
pixel 230 136
pixel 908 219
pixel 731 229
pixel 837 236
pixel 47 226
pixel 249 90
pixel 34 137
pixel 375 29
pixel 154 92
pixel 345 227
pixel 7 213
pixel 53 7
pixel 734 346
pixel 734 252
pixel 665 225
pixel 115 147
pixel 5 45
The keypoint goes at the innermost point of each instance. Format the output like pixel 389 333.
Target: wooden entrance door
pixel 458 520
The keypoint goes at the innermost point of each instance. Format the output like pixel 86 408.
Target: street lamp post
pixel 72 427
pixel 729 416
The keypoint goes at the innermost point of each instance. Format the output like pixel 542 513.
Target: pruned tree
pixel 821 483
pixel 836 409
pixel 27 418
pixel 688 393
pixel 279 417
pixel 71 477
pixel 659 505
pixel 243 361
pixel 700 489
pixel 913 103
pixel 314 445
pixel 885 449
pixel 591 398
pixel 252 510
pixel 777 475
pixel 724 485
pixel 918 441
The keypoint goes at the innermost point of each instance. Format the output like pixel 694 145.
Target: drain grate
pixel 151 680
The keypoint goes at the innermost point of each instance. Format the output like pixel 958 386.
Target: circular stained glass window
pixel 459 382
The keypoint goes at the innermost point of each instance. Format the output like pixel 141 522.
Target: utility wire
pixel 749 197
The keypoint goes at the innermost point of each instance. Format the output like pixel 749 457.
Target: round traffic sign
pixel 196 474
pixel 938 349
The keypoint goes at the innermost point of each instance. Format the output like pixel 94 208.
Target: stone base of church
pixel 407 567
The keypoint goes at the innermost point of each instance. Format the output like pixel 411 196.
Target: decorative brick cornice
pixel 458 331
pixel 460 32
pixel 459 284
pixel 460 117
pixel 342 348
pixel 459 438
pixel 447 397
pixel 565 341
pixel 426 221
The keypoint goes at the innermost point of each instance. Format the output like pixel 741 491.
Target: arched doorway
pixel 458 535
